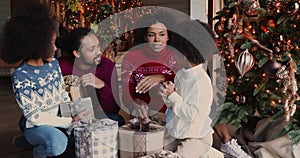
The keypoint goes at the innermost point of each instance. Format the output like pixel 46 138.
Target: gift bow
pixel 90 123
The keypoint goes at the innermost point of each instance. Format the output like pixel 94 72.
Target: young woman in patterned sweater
pixel 29 36
pixel 148 63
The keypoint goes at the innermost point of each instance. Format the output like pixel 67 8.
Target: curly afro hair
pixel 197 44
pixel 27 34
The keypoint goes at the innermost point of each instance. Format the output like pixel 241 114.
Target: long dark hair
pixel 27 34
pixel 147 20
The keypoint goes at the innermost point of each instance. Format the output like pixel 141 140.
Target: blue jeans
pixel 118 118
pixel 47 140
pixel 115 117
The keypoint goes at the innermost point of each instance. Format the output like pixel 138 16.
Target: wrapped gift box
pixel 72 108
pixel 74 88
pixel 134 144
pixel 96 139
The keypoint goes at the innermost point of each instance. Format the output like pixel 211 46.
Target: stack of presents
pixel 102 138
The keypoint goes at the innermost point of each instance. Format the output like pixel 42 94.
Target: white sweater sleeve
pixel 189 106
pixel 49 118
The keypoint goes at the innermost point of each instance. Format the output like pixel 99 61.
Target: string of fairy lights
pixel 259 43
pixel 73 13
pixel 90 13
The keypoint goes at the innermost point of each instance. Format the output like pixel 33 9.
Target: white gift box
pixel 134 144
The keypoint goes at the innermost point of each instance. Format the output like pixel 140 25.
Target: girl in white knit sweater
pixel 189 99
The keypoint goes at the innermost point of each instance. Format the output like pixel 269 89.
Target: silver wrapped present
pixel 96 139
pixel 72 108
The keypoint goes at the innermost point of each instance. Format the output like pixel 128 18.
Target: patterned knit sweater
pixel 39 90
pixel 137 65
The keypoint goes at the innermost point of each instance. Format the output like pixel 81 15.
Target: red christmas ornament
pixel 266 24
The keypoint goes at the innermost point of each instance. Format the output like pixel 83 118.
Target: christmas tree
pixel 92 13
pixel 259 42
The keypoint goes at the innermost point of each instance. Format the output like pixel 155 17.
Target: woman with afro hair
pixel 29 38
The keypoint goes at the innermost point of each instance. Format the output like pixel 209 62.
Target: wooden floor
pixel 9 116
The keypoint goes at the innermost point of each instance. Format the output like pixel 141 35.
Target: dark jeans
pixel 22 123
pixel 115 117
pixel 70 150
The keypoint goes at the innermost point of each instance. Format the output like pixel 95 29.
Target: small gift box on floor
pixel 72 108
pixel 96 139
pixel 134 143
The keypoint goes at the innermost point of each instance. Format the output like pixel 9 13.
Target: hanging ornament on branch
pixel 271 68
pixel 240 99
pixel 244 62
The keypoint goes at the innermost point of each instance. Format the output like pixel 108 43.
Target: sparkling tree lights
pixel 259 42
pixel 90 13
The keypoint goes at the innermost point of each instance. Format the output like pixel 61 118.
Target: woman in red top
pixel 148 63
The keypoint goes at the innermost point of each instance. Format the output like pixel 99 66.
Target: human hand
pixel 139 102
pixel 148 82
pixel 92 80
pixel 82 114
pixel 141 108
pixel 167 88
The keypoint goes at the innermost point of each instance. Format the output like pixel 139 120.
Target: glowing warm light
pixel 273 103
